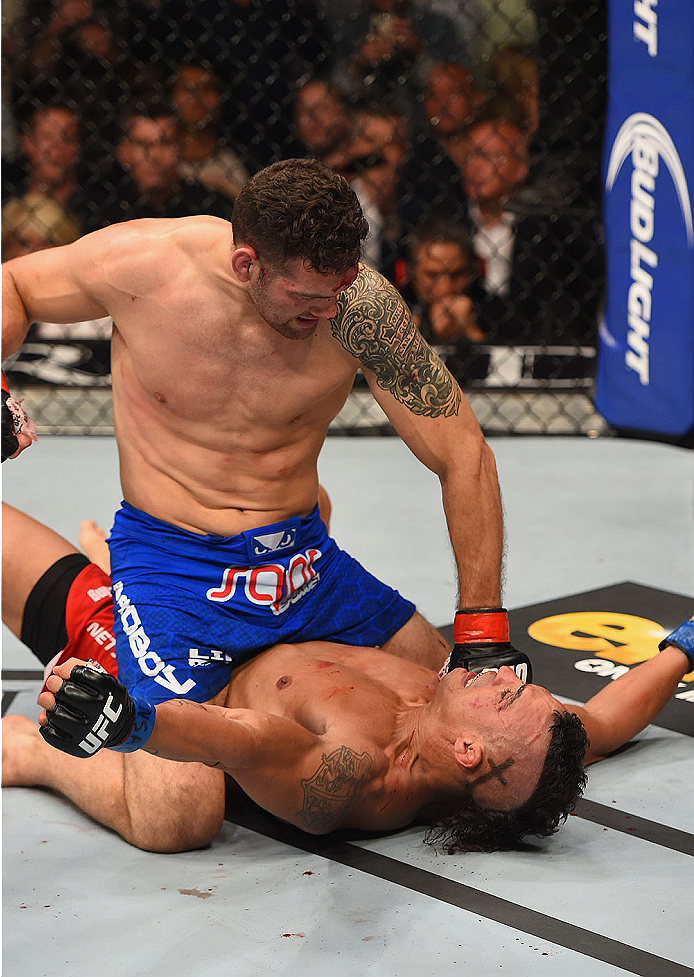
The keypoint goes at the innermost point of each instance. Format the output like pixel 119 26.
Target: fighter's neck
pixel 422 771
pixel 422 747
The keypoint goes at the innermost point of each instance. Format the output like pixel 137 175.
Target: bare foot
pixel 21 746
pixel 92 539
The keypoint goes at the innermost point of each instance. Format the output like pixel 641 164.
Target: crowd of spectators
pixel 164 108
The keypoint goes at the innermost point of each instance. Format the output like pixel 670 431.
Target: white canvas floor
pixel 592 900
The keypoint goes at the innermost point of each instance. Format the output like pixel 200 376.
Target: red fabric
pixel 89 620
pixel 4 384
pixel 480 626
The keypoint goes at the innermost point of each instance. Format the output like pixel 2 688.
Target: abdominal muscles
pixel 214 460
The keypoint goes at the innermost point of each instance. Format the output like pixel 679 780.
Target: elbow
pixel 473 458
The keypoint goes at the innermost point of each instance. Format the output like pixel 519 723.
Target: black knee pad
pixel 43 623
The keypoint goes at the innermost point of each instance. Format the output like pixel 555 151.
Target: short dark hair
pixel 562 781
pixel 298 208
pixel 440 230
pixel 146 106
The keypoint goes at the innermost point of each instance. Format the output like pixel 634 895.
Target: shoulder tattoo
pixel 375 326
pixel 330 792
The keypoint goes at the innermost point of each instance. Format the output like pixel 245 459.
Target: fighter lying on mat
pixel 320 734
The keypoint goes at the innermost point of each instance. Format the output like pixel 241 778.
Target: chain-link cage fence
pixel 471 131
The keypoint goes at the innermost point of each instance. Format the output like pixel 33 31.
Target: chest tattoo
pixel 375 326
pixel 329 793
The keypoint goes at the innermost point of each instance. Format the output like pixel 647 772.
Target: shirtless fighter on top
pixel 322 735
pixel 232 351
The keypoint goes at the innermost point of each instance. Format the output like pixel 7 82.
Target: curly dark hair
pixel 562 781
pixel 298 208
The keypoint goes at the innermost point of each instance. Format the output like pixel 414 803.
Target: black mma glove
pixel 481 639
pixel 92 710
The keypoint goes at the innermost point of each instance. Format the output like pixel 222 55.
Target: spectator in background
pixel 379 130
pixel 493 160
pixel 80 58
pixel 34 222
pixel 386 49
pixel 451 99
pixel 52 165
pixel 442 271
pixel 60 20
pixel 538 269
pixel 197 98
pixel 324 123
pixel 264 48
pixel 462 14
pixel 264 51
pixel 514 73
pixel 51 145
pixel 377 154
pixel 153 184
pixel 431 177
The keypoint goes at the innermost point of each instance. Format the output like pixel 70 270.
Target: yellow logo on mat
pixel 622 638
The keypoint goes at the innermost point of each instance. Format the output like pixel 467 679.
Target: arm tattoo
pixel 330 792
pixel 375 326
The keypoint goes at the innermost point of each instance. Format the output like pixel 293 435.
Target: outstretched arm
pixel 428 410
pixel 308 780
pixel 627 705
pixel 182 730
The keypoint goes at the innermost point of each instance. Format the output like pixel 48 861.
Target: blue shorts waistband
pixel 261 543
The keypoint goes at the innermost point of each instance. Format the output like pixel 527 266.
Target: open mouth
pixel 473 676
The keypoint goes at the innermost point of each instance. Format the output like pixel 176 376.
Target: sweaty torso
pixel 358 701
pixel 219 419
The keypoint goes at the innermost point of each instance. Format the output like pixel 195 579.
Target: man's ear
pixel 241 261
pixel 468 751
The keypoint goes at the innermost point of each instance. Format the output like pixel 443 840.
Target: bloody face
pixel 293 299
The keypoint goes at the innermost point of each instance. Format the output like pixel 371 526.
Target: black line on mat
pixel 658 834
pixel 453 893
pixel 7 700
pixel 473 900
pixel 603 814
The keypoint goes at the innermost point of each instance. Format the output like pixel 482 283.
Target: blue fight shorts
pixel 189 609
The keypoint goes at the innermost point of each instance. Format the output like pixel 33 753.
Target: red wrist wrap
pixel 481 626
pixel 4 384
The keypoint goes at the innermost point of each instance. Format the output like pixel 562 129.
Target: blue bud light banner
pixel 645 378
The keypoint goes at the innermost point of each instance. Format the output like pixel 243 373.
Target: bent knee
pixel 173 807
pixel 177 835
